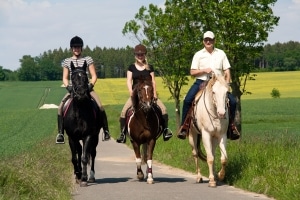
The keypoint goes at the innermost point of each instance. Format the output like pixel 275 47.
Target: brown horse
pixel 211 121
pixel 144 126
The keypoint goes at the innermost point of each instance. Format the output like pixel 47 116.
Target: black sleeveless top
pixel 137 73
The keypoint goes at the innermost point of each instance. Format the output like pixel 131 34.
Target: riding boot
pixel 122 138
pixel 167 133
pixel 105 125
pixel 184 129
pixel 60 136
pixel 232 131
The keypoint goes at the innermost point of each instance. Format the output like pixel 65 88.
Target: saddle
pixel 67 102
pixel 190 114
pixel 130 112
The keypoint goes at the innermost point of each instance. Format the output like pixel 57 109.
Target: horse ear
pixel 72 66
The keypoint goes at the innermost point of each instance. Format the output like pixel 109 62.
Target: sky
pixel 31 27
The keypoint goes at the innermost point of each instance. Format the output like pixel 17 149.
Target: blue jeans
pixel 232 104
pixel 189 98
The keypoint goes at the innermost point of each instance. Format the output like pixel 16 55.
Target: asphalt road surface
pixel 115 170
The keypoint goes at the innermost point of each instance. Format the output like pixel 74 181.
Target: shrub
pixel 275 93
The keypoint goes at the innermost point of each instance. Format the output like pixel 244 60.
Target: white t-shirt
pixel 217 61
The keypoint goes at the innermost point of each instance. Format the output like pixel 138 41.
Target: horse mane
pixel 215 78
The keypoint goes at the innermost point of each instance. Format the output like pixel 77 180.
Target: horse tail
pixel 200 153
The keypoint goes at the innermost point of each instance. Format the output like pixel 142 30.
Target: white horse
pixel 211 119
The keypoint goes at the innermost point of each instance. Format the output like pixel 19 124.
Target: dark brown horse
pixel 144 126
pixel 81 122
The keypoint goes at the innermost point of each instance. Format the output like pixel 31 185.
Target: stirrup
pixel 122 138
pixel 106 136
pixel 167 134
pixel 60 139
pixel 233 133
pixel 182 133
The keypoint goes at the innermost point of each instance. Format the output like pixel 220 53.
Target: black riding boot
pixel 60 136
pixel 167 133
pixel 122 138
pixel 105 125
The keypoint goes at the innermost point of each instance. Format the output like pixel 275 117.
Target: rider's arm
pixel 93 74
pixel 227 75
pixel 199 72
pixel 65 76
pixel 129 82
pixel 153 84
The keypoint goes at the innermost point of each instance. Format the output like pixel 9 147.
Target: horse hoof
pixel 83 184
pixel 92 180
pixel 212 185
pixel 140 176
pixel 199 180
pixel 150 181
pixel 221 176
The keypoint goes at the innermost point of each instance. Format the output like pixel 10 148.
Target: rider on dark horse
pixel 136 70
pixel 77 60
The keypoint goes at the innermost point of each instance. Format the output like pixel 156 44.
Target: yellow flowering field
pixel 113 91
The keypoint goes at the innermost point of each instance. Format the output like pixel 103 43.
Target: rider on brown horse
pixel 135 70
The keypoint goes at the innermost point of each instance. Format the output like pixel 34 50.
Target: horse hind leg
pixel 139 171
pixel 193 139
pixel 199 178
pixel 221 173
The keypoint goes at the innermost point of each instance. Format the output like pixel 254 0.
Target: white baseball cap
pixel 209 34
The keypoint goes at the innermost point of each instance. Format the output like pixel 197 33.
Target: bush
pixel 275 93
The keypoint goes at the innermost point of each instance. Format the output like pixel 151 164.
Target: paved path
pixel 116 179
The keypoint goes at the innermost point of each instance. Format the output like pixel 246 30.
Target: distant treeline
pixel 113 63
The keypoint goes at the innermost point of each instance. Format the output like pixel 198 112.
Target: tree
pixel 2 74
pixel 29 70
pixel 174 34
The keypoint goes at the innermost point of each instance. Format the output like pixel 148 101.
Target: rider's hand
pixel 69 88
pixel 91 86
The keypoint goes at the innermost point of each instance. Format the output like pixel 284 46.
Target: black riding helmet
pixel 76 42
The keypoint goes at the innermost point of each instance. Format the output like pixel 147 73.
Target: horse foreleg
pixel 139 171
pixel 138 160
pixel 74 160
pixel 85 160
pixel 207 142
pixel 149 172
pixel 150 149
pixel 92 178
pixel 222 145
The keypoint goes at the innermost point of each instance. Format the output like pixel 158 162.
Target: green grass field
pixel 263 161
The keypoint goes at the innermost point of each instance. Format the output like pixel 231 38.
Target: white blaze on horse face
pixel 146 89
pixel 220 92
pixel 147 95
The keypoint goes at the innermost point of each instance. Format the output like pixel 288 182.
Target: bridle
pixel 145 105
pixel 82 86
